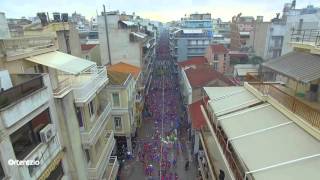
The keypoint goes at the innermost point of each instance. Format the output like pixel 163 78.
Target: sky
pixel 162 10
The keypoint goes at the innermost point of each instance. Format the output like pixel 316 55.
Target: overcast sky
pixel 163 10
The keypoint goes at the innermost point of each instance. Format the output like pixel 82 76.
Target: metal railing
pixel 113 161
pixel 96 171
pixel 88 137
pixel 306 36
pixel 21 90
pixel 83 84
pixel 231 157
pixel 298 107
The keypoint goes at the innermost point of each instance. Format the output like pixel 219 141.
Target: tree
pixel 256 60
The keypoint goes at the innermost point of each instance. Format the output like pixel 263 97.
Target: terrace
pixel 22 47
pixel 26 95
pixel 307 110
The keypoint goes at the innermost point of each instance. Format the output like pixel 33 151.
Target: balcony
pixel 306 39
pixel 97 170
pixel 83 85
pixel 46 153
pixel 27 94
pixel 22 47
pixel 90 137
pixel 308 111
pixel 112 169
pixel 225 147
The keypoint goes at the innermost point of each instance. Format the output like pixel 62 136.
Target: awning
pixel 129 23
pixel 192 31
pixel 62 62
pixel 304 67
pixel 264 137
pixel 139 35
pixel 225 100
pixel 52 166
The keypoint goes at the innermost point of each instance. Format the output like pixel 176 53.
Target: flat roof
pixel 270 145
pixel 228 99
pixel 62 62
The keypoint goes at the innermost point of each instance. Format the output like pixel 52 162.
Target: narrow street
pixel 162 150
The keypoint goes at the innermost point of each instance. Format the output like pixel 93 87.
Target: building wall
pixel 310 21
pixel 120 46
pixel 259 39
pixel 71 135
pixel 223 62
pixel 93 55
pixel 182 51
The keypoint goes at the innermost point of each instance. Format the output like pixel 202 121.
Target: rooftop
pixel 218 48
pixel 304 67
pixel 198 120
pixel 202 75
pixel 193 61
pixel 261 144
pixel 117 78
pixel 122 67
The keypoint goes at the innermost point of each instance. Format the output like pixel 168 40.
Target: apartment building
pixel 139 98
pixel 29 128
pixel 218 57
pixel 298 19
pixel 246 136
pixel 128 42
pixel 267 38
pixel 241 26
pixel 192 37
pixel 81 102
pixel 195 74
pixel 65 32
pixel 122 93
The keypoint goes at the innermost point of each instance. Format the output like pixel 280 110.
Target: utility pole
pixel 107 32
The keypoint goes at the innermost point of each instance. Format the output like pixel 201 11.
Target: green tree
pixel 256 60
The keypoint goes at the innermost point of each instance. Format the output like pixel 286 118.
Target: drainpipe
pixel 107 32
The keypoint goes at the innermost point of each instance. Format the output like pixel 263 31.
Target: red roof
pixel 218 48
pixel 197 118
pixel 193 61
pixel 87 47
pixel 202 75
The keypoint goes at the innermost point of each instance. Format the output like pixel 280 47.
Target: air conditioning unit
pixel 47 133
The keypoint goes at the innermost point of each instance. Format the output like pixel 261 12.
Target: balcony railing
pixel 96 172
pixel 306 36
pixel 21 47
pixel 114 167
pixel 83 85
pixel 19 91
pixel 229 153
pixel 88 137
pixel 305 111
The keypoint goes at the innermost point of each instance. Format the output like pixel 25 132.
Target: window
pixel 87 155
pixel 26 138
pixel 215 57
pixel 79 116
pixel 91 108
pixel 117 123
pixel 215 66
pixel 116 99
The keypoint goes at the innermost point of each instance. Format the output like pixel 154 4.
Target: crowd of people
pixel 159 155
